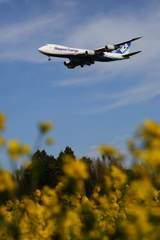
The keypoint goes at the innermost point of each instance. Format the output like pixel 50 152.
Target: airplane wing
pixel 92 54
pixel 110 48
pixel 99 52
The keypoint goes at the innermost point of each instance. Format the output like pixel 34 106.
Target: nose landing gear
pixel 49 58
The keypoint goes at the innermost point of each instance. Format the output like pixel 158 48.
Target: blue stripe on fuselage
pixel 72 55
pixel 106 59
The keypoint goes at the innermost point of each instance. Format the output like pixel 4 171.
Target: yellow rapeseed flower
pixel 25 149
pixel 131 232
pixel 108 181
pixel 110 228
pixel 103 200
pixel 75 169
pixel 49 141
pixel 9 205
pixel 152 158
pixel 119 178
pixel 122 216
pixel 112 197
pixel 38 193
pixel 107 150
pixel 142 190
pixel 45 127
pixel 85 199
pixel 14 149
pixel 152 127
pixel 2 141
pixel 2 121
pixel 6 182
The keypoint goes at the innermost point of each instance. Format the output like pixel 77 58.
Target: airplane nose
pixel 40 49
pixel 44 49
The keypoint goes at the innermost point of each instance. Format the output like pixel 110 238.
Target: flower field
pixel 120 208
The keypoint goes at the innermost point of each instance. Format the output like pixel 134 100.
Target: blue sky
pixel 100 104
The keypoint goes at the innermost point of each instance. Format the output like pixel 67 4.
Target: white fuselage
pixel 53 50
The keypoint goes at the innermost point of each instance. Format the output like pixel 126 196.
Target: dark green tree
pixel 43 170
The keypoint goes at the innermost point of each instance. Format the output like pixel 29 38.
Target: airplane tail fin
pixel 124 49
pixel 130 54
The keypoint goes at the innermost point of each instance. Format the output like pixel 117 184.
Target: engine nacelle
pixel 66 63
pixel 110 47
pixel 90 53
pixel 69 64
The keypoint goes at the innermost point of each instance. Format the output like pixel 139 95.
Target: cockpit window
pixel 46 45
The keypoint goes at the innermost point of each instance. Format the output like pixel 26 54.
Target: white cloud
pixel 21 41
pixel 134 95
pixel 93 152
pixel 119 141
pixel 78 81
pixel 20 33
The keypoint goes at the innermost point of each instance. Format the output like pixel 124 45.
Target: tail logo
pixel 124 48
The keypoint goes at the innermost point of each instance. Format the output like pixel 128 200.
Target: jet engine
pixel 69 64
pixel 66 63
pixel 110 48
pixel 90 53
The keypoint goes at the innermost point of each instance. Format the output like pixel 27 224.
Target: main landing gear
pixel 49 58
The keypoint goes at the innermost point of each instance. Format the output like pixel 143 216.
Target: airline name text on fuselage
pixel 66 49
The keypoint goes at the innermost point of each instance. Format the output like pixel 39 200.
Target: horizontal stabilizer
pixel 130 54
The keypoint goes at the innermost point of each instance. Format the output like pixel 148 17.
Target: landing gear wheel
pixel 49 59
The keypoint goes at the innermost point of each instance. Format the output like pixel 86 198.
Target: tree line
pixel 45 170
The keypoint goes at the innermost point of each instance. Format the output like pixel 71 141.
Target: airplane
pixel 82 57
